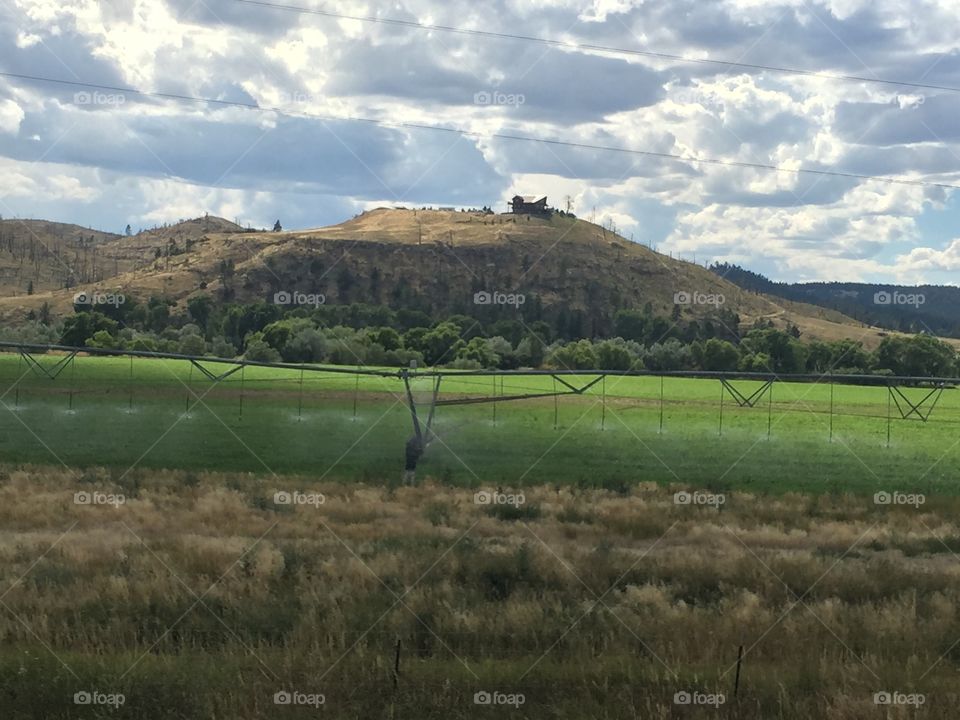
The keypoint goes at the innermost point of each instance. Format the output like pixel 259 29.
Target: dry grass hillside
pixel 44 257
pixel 441 258
pixel 44 254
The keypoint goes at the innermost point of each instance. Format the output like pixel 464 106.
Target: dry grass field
pixel 178 595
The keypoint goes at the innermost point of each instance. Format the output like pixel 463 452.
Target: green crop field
pixel 120 412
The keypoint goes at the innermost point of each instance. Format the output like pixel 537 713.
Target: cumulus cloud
pixel 11 115
pixel 925 258
pixel 146 160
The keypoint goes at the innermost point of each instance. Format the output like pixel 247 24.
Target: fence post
pixel 494 400
pixel 73 375
pixel 242 385
pixel 16 402
pixel 186 404
pixel 831 409
pixel 603 415
pixel 396 666
pixel 130 401
pixel 769 408
pixel 889 395
pixel 555 404
pixel 356 391
pixel 736 682
pixel 661 405
pixel 722 392
pixel 300 396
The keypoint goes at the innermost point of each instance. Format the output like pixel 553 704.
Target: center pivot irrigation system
pixel 565 382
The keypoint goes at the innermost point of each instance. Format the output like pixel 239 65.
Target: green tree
pixel 307 344
pixel 502 350
pixel 441 343
pixel 668 355
pixel 614 355
pixel 192 344
pixel 258 350
pixel 158 313
pixel 102 339
pixel 221 348
pixel 46 316
pixel 387 337
pixel 478 351
pixel 917 355
pixel 77 328
pixel 530 351
pixel 578 355
pixel 786 353
pixel 200 307
pixel 719 355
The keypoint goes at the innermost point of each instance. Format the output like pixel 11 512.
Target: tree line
pixel 362 334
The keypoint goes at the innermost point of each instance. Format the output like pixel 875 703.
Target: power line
pixel 598 48
pixel 480 136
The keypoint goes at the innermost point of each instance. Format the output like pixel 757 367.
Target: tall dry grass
pixel 201 597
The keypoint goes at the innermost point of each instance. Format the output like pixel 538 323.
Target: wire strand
pixel 598 48
pixel 484 136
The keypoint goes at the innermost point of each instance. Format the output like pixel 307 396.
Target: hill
pixel 922 308
pixel 38 256
pixel 436 260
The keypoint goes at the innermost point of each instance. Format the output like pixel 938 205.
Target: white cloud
pixel 11 115
pixel 801 224
pixel 71 188
pixel 925 258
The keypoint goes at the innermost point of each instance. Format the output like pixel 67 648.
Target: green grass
pixel 119 413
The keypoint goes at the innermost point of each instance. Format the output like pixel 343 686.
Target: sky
pixel 108 158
